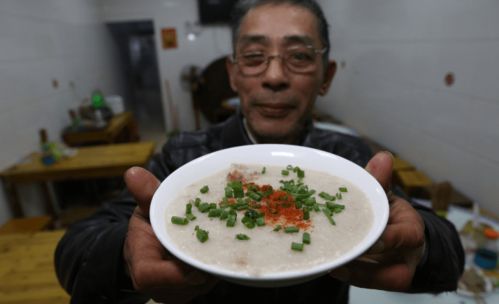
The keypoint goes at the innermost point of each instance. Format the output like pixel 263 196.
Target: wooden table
pixel 27 272
pixel 414 181
pixel 400 164
pixel 121 128
pixel 89 162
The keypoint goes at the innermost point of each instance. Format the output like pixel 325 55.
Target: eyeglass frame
pixel 268 58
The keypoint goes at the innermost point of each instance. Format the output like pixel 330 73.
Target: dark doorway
pixel 136 44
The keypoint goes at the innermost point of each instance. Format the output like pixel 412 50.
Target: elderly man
pixel 279 66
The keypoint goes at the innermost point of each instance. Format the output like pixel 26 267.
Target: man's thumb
pixel 381 166
pixel 142 185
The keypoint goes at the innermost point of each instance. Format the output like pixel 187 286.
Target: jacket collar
pixel 234 133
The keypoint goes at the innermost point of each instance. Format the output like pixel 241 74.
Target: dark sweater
pixel 89 261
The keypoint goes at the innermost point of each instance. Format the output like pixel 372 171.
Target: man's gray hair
pixel 244 6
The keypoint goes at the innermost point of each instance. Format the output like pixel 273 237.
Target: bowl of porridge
pixel 269 215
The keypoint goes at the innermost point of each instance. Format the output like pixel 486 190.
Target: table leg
pixel 51 202
pixel 13 198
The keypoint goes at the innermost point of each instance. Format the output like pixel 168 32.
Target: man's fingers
pixel 394 277
pixel 142 185
pixel 161 273
pixel 381 166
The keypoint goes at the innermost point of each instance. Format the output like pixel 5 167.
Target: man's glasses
pixel 300 59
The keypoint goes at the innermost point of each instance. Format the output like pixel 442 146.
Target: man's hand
pixel 152 269
pixel 390 264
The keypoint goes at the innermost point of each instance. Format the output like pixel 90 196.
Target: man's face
pixel 278 102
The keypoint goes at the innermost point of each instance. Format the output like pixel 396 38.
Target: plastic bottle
pixel 98 100
pixel 486 253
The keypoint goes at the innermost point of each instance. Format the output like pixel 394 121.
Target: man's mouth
pixel 274 111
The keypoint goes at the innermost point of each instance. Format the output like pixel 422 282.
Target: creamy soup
pixel 286 203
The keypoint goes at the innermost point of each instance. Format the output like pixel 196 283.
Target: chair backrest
pixel 212 89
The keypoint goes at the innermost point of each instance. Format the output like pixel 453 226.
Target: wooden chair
pixel 210 92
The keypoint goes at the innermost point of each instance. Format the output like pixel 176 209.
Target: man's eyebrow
pixel 264 40
pixel 298 39
pixel 248 39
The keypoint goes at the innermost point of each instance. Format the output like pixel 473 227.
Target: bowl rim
pixel 278 150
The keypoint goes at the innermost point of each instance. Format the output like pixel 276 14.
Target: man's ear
pixel 231 66
pixel 328 77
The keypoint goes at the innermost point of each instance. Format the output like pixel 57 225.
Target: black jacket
pixel 89 262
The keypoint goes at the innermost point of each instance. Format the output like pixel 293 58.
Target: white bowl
pixel 270 155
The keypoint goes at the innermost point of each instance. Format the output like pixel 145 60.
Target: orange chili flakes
pixel 279 208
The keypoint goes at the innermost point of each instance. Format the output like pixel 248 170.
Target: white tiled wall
pixel 396 55
pixel 41 41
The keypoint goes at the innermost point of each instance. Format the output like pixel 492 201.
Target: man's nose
pixel 275 76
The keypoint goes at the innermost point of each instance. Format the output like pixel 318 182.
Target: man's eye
pixel 300 57
pixel 253 58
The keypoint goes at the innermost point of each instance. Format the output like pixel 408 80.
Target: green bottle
pixel 98 100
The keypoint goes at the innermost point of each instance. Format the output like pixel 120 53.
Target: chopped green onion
pixel 197 201
pixel 291 229
pixel 238 192
pixel 327 196
pixel 204 189
pixel 204 207
pixel 177 220
pixel 231 221
pixel 242 237
pixel 310 201
pixel 250 224
pixel 285 172
pixel 224 215
pixel 335 208
pixel 229 192
pixel 253 214
pixel 188 208
pixel 260 221
pixel 289 167
pixel 242 206
pixel 214 212
pixel 297 246
pixel 338 195
pixel 264 169
pixel 343 189
pixel 237 188
pixel 190 217
pixel 306 238
pixel 329 215
pixel 306 215
pixel 254 195
pixel 202 235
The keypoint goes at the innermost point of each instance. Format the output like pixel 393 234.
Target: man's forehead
pixel 280 23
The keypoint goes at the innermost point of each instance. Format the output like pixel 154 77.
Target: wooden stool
pixel 26 225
